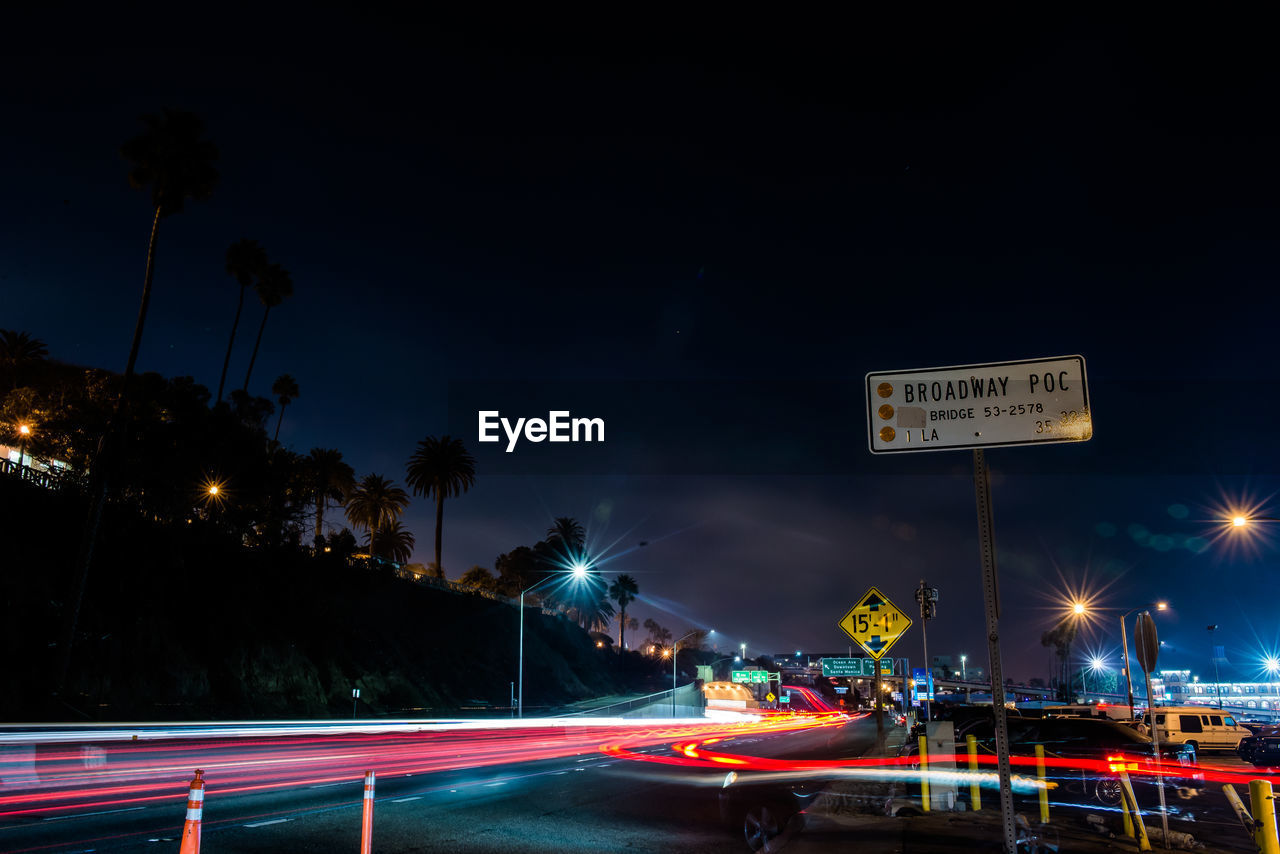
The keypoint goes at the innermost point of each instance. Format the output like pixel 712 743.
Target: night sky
pixel 715 229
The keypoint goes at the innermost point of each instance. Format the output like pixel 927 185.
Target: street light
pixel 674 648
pixel 1213 653
pixel 1124 643
pixel 578 574
pixel 962 672
pixel 24 430
pixel 1078 609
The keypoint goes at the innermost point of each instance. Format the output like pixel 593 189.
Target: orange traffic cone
pixel 366 825
pixel 195 809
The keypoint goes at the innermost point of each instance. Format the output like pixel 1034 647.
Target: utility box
pixel 942 744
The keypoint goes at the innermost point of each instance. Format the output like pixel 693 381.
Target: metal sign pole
pixel 991 601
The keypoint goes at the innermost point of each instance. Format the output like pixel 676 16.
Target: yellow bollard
pixel 1144 844
pixel 975 790
pixel 924 773
pixel 1128 819
pixel 1044 790
pixel 1262 803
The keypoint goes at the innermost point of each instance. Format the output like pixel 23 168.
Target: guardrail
pixel 45 479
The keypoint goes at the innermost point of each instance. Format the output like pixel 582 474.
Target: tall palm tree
pixel 392 541
pixel 568 531
pixel 374 503
pixel 624 591
pixel 245 260
pixel 172 158
pixel 285 388
pixel 441 468
pixel 274 286
pixel 331 479
pixel 19 349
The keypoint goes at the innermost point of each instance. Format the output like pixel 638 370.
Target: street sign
pixel 785 698
pixel 749 676
pixel 1027 402
pixel 1144 638
pixel 875 623
pixel 770 697
pixel 856 667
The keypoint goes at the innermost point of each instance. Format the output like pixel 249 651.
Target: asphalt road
pixel 587 801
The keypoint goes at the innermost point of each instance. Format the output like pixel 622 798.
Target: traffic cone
pixel 195 809
pixel 366 825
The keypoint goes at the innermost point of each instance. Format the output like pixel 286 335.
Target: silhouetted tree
pixel 285 388
pixel 274 286
pixel 392 541
pixel 375 502
pixel 17 351
pixel 441 468
pixel 172 158
pixel 623 590
pixel 331 479
pixel 245 261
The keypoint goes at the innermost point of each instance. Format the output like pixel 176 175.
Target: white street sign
pixel 977 406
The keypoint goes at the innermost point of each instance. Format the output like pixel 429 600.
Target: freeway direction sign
pixel 749 676
pixel 855 667
pixel 1026 402
pixel 875 623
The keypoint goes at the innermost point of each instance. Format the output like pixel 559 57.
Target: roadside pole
pixel 991 604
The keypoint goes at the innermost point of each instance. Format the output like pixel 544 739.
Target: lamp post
pixel 1124 644
pixel 1213 654
pixel 579 572
pixel 24 430
pixel 1077 610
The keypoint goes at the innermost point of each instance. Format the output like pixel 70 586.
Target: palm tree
pixel 568 531
pixel 375 502
pixel 274 286
pixel 441 468
pixel 285 388
pixel 172 158
pixel 624 591
pixel 245 260
pixel 331 478
pixel 19 349
pixel 392 541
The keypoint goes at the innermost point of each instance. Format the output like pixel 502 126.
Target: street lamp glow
pixel 1272 664
pixel 1096 663
pixel 24 429
pixel 579 570
pixel 1078 608
pixel 1239 521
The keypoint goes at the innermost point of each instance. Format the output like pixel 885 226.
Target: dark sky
pixel 617 209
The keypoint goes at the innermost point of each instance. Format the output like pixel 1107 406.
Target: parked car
pixel 1261 748
pixel 1201 727
pixel 1104 747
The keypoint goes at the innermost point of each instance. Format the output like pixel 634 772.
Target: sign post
pixel 1145 639
pixel 875 624
pixel 1027 402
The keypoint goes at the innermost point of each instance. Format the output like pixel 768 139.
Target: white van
pixel 1201 727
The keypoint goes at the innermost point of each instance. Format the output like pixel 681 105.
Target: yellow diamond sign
pixel 875 623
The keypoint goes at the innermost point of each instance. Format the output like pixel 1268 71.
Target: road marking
pixel 265 823
pixel 406 800
pixel 86 814
pixel 491 785
pixel 339 783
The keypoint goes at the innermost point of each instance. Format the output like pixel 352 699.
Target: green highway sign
pixel 749 676
pixel 856 666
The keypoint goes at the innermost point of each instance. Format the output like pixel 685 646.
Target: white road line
pixel 491 785
pixel 265 823
pixel 86 814
pixel 339 783
pixel 405 800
